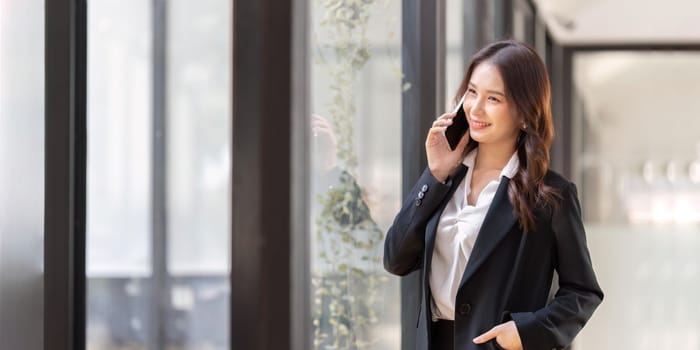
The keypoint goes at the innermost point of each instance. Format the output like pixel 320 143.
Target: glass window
pixel 637 162
pixel 119 162
pixel 177 299
pixel 198 134
pixel 119 138
pixel 455 66
pixel 22 134
pixel 356 183
pixel 523 22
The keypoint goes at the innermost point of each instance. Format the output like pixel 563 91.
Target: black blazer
pixel 509 273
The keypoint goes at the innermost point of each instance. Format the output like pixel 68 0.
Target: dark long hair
pixel 528 90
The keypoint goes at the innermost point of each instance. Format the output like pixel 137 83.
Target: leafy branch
pixel 345 286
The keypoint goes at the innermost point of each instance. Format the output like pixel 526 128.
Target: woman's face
pixel 491 118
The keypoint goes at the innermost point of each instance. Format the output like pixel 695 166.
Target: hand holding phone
pixel 459 126
pixel 448 128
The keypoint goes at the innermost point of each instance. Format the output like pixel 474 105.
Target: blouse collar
pixel 508 171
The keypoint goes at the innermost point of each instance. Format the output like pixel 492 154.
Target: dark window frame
pixel 64 184
pixel 422 59
pixel 269 260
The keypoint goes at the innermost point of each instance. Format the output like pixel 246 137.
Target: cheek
pixel 467 111
pixel 467 106
pixel 501 115
pixel 506 122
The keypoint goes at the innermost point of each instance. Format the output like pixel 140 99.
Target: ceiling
pixel 622 21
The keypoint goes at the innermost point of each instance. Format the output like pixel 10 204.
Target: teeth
pixel 480 124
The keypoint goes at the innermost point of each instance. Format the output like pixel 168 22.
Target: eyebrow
pixel 489 91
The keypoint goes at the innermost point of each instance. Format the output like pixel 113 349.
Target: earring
pixel 524 126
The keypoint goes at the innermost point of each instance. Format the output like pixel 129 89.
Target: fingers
pixel 321 129
pixel 447 116
pixel 441 124
pixel 437 129
pixel 321 126
pixel 492 333
pixel 436 143
pixel 506 334
pixel 317 120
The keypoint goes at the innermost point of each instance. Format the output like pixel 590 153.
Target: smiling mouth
pixel 479 124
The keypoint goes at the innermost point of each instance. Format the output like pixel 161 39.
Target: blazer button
pixel 424 188
pixel 421 195
pixel 464 309
pixel 418 202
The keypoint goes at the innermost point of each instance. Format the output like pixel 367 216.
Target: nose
pixel 477 106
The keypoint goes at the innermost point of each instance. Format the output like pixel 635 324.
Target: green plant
pixel 346 284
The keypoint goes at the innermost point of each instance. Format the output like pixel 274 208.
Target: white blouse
pixel 456 234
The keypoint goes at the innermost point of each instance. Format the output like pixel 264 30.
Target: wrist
pixel 440 176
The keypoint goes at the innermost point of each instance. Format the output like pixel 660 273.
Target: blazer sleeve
pixel 405 240
pixel 556 325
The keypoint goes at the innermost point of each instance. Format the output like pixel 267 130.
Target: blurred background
pixel 158 222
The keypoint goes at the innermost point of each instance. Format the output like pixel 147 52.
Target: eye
pixel 471 91
pixel 493 99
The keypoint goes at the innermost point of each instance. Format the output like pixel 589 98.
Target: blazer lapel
pixel 497 223
pixel 432 224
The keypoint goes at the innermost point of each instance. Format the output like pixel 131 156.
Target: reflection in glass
pixel 356 99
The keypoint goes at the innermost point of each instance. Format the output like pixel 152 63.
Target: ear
pixel 522 123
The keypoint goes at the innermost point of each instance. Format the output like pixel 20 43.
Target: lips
pixel 478 125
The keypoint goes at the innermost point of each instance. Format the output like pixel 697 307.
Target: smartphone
pixel 459 126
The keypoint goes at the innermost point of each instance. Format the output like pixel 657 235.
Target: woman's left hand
pixel 506 335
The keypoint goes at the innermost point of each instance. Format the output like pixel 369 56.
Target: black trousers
pixel 443 335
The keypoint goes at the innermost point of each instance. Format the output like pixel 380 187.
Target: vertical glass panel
pixel 198 124
pixel 454 49
pixel 637 163
pixel 356 182
pixel 119 173
pixel 490 21
pixel 21 173
pixel 523 22
pixel 138 297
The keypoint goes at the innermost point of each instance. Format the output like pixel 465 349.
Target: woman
pixel 488 223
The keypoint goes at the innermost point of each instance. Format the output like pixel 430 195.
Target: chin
pixel 478 137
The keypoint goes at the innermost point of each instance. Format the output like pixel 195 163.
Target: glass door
pixel 637 162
